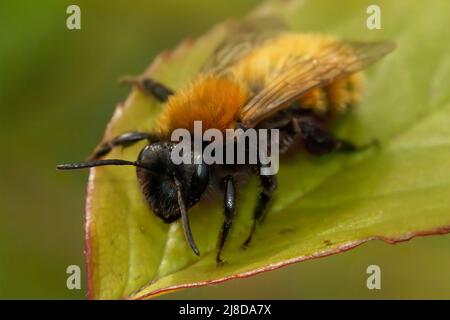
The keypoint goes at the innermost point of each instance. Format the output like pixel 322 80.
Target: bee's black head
pixel 169 189
pixel 159 176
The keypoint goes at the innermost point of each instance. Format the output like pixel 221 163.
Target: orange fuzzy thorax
pixel 213 100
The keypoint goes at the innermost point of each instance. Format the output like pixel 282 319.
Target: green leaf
pixel 324 205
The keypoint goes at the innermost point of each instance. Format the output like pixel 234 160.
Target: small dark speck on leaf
pixel 286 231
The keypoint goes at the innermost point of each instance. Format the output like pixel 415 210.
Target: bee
pixel 261 76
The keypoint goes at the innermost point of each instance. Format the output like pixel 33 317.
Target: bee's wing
pixel 241 40
pixel 301 75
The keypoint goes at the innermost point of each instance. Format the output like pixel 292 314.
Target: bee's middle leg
pixel 268 184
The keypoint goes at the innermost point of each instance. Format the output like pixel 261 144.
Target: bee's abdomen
pixel 335 98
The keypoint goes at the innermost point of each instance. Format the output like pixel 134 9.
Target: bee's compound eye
pixel 148 152
pixel 200 180
pixel 155 157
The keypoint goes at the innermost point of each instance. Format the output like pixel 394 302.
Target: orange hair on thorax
pixel 214 100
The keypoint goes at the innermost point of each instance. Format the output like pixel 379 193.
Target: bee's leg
pixel 229 210
pixel 346 146
pixel 158 90
pixel 318 140
pixel 125 139
pixel 268 184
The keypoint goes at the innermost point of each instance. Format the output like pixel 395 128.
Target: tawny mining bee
pixel 296 83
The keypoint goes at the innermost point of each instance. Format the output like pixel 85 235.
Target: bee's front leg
pixel 229 211
pixel 125 139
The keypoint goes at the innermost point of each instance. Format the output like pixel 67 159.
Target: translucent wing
pixel 242 39
pixel 301 75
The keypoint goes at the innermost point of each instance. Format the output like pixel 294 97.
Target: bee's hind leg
pixel 125 139
pixel 346 146
pixel 268 184
pixel 158 90
pixel 317 140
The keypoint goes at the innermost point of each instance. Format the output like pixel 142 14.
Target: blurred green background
pixel 58 89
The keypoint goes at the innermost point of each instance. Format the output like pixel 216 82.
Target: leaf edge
pixel 274 266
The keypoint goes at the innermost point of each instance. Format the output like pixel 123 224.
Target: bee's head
pixel 161 180
pixel 169 189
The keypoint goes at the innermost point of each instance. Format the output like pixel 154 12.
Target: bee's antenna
pixel 97 163
pixel 185 219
